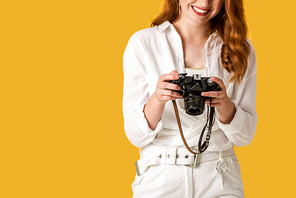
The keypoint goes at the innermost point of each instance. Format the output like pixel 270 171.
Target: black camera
pixel 191 89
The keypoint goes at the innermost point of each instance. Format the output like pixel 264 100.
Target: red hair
pixel 231 26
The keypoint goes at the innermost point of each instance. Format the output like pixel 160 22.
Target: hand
pixel 154 108
pixel 164 90
pixel 221 101
pixel 219 98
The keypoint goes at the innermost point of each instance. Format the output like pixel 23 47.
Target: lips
pixel 199 11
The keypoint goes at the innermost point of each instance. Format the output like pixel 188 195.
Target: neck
pixel 196 34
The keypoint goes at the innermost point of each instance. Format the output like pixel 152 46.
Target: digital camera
pixel 191 89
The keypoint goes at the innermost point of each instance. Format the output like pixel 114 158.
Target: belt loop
pixel 165 154
pixel 171 155
pixel 176 155
pixel 220 154
pixel 137 169
pixel 195 160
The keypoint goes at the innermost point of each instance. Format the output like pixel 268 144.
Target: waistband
pixel 156 155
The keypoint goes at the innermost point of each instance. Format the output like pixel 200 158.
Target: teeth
pixel 199 10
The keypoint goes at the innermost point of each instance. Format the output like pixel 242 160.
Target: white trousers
pixel 208 179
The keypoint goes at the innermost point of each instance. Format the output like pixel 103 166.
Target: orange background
pixel 61 91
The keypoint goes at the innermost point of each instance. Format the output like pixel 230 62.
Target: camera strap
pixel 209 124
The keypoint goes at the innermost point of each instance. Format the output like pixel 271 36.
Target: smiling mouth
pixel 200 10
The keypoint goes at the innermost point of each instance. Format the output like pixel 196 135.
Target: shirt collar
pixel 166 24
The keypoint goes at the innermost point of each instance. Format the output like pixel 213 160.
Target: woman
pixel 206 37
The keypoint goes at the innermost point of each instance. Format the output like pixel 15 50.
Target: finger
pixel 167 85
pixel 171 93
pixel 217 105
pixel 167 77
pixel 166 98
pixel 169 98
pixel 174 72
pixel 219 82
pixel 214 103
pixel 213 94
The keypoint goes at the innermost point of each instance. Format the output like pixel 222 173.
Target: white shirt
pixel 158 50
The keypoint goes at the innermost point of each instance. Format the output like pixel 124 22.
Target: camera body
pixel 191 89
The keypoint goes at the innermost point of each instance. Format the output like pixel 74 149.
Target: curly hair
pixel 231 26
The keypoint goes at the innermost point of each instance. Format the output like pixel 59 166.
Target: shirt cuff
pixel 143 124
pixel 236 124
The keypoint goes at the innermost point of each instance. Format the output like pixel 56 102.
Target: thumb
pixel 174 72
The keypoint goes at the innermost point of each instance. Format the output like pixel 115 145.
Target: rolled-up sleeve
pixel 242 128
pixel 136 95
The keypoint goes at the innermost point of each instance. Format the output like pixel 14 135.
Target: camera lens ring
pixel 194 104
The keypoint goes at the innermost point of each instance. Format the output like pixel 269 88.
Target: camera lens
pixel 194 104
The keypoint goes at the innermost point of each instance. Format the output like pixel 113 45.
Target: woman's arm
pixel 164 92
pixel 224 106
pixel 237 116
pixel 142 113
